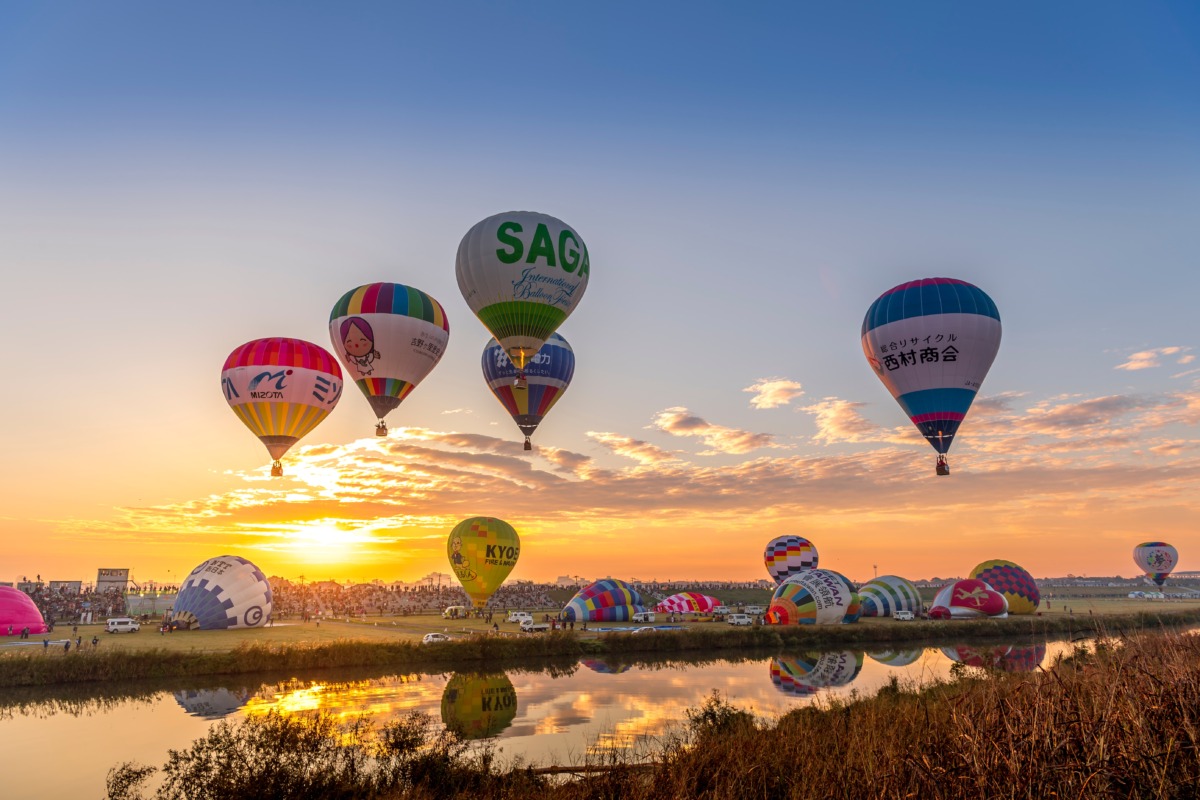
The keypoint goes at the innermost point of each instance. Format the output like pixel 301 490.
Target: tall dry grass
pixel 1118 721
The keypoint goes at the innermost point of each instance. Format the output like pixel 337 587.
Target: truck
pixel 529 626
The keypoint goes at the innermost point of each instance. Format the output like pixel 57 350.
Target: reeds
pixel 1120 720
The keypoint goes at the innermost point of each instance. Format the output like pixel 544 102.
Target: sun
pixel 325 542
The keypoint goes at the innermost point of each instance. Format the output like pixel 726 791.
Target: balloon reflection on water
pixel 897 658
pixel 807 673
pixel 1009 658
pixel 212 703
pixel 479 706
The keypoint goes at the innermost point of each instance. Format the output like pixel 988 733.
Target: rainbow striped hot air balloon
pixel 547 376
pixel 931 342
pixel 813 597
pixel 608 600
pixel 281 389
pixel 389 336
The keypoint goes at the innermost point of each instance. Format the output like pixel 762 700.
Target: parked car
pixel 903 615
pixel 740 619
pixel 643 616
pixel 754 610
pixel 519 617
pixel 122 625
pixel 643 629
pixel 721 609
pixel 430 638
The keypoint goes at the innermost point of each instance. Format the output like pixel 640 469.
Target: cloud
pixel 640 451
pixel 459 411
pixel 839 421
pixel 1147 359
pixel 678 421
pixel 773 392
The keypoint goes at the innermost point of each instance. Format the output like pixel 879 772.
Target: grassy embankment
pixel 304 647
pixel 1122 721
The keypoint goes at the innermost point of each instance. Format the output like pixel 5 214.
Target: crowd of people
pixel 63 604
pixel 328 599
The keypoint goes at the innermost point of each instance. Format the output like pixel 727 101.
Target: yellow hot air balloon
pixel 479 706
pixel 482 551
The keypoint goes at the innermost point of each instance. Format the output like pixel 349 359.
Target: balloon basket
pixel 277 470
pixel 521 383
pixel 528 444
pixel 381 429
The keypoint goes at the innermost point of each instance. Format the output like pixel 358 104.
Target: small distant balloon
pixel 1156 559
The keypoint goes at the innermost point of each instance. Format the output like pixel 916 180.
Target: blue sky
pixel 175 180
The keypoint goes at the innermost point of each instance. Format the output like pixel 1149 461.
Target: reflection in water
pixel 479 706
pixel 212 703
pixel 897 658
pixel 1009 658
pixel 597 665
pixel 806 673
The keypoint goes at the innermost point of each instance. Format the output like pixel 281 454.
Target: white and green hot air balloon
pixel 522 273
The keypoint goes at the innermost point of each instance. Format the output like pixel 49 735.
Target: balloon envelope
pixel 688 603
pixel 479 706
pixel 211 703
pixel 788 555
pixel 813 597
pixel 887 594
pixel 548 374
pixel 223 593
pixel 18 611
pixel 522 273
pixel 281 389
pixel 482 551
pixel 389 336
pixel 968 599
pixel 607 600
pixel 931 342
pixel 1011 580
pixel 1156 559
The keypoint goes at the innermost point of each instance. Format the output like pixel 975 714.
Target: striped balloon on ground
pixel 1012 581
pixel 688 603
pixel 608 600
pixel 813 597
pixel 788 555
pixel 887 594
pixel 854 610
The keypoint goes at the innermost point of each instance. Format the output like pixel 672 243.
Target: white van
pixel 122 625
pixel 643 616
pixel 455 612
pixel 720 609
pixel 754 610
pixel 740 619
pixel 903 615
pixel 519 616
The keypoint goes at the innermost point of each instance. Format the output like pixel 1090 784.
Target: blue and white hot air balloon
pixel 223 593
pixel 931 342
pixel 547 376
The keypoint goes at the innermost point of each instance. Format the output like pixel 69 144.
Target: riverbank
pixel 1120 719
pixel 39 667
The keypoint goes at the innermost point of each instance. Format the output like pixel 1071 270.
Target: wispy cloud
pixel 1148 359
pixel 773 392
pixel 678 421
pixel 839 421
pixel 640 451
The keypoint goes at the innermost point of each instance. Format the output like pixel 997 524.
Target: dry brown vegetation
pixel 1119 720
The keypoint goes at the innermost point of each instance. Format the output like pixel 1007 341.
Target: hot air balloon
pixel 223 593
pixel 804 674
pixel 931 342
pixel 788 555
pixel 1156 559
pixel 605 667
pixel 548 374
pixel 813 597
pixel 522 273
pixel 479 706
pixel 968 599
pixel 18 612
pixel 688 603
pixel 389 336
pixel 607 600
pixel 1011 580
pixel 281 389
pixel 482 551
pixel 887 594
pixel 854 610
pixel 212 703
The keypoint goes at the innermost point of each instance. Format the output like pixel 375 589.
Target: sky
pixel 177 179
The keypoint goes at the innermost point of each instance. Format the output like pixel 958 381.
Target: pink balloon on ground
pixel 18 611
